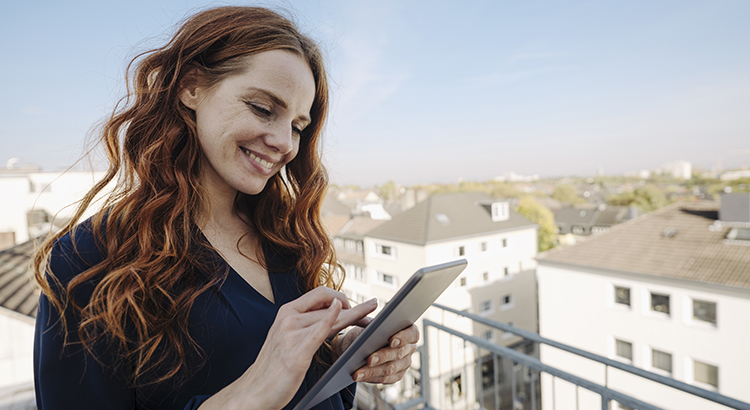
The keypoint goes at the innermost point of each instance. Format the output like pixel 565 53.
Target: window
pixel 706 373
pixel 488 372
pixel 485 276
pixel 505 242
pixel 484 246
pixel 622 295
pixel 487 334
pixel 661 360
pixel 660 303
pixel 461 251
pixel 485 306
pixel 704 311
pixel 462 282
pixel 500 211
pixel 359 273
pixel 507 299
pixel 506 272
pixel 387 278
pixel 624 349
pixel 385 251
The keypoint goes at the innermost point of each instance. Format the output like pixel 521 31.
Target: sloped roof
pixel 18 291
pixel 672 242
pixel 468 214
pixel 359 226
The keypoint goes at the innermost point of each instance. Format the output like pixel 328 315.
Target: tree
pixel 567 193
pixel 542 216
pixel 647 198
pixel 387 191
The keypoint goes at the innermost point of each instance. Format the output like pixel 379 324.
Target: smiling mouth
pixel 262 162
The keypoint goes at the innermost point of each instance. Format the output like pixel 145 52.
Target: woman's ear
pixel 190 89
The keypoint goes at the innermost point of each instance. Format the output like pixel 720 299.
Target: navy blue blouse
pixel 229 323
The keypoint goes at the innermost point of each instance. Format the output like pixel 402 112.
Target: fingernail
pixel 395 343
pixel 373 301
pixel 360 376
pixel 374 361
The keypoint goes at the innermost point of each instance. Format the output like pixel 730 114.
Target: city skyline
pixel 425 92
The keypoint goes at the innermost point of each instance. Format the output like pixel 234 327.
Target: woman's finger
pixel 408 335
pixel 354 316
pixel 316 299
pixel 389 372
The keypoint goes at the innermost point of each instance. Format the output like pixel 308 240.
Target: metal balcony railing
pixel 485 384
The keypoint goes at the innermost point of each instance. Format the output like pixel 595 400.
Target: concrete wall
pixel 576 307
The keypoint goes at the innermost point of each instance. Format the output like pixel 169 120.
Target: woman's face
pixel 249 123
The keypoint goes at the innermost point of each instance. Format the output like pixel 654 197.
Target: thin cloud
pixel 536 56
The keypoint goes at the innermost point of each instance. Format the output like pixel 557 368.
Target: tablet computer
pixel 417 294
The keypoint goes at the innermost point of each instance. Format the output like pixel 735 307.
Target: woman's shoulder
pixel 75 252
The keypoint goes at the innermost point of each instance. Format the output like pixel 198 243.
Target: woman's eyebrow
pixel 277 100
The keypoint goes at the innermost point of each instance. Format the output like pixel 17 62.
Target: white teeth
pixel 265 164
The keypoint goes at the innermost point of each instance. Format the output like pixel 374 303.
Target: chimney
pixel 735 207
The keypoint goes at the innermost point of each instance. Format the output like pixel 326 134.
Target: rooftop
pixel 681 241
pixel 18 291
pixel 446 216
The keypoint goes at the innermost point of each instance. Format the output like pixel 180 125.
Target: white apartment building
pixel 32 198
pixel 500 246
pixel 668 292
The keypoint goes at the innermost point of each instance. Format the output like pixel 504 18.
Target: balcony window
pixel 622 295
pixel 624 349
pixel 704 311
pixel 706 373
pixel 487 334
pixel 485 306
pixel 660 303
pixel 661 360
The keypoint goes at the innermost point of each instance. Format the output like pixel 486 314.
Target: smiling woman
pixel 207 280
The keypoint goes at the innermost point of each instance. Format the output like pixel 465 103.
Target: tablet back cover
pixel 409 303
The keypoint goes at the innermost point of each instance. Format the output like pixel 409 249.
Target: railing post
pixel 424 367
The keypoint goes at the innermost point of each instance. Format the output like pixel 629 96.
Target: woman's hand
pixel 388 364
pixel 300 328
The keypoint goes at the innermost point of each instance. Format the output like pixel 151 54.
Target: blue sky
pixel 428 91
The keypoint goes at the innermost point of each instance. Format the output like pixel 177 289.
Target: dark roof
pixel 465 214
pixel 680 241
pixel 18 291
pixel 586 218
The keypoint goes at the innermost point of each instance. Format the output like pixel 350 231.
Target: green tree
pixel 542 216
pixel 387 191
pixel 567 193
pixel 647 198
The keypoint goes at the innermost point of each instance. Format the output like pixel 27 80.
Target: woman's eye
pixel 296 130
pixel 260 110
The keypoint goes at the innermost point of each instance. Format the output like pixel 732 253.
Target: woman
pixel 207 280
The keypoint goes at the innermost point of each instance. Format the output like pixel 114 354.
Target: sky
pixel 428 91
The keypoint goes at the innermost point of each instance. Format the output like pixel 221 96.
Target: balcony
pixel 474 373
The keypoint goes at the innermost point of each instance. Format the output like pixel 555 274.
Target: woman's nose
pixel 281 138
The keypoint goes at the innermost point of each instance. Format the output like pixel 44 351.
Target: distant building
pixel 668 292
pixel 513 177
pixel 678 169
pixel 734 175
pixel 34 200
pixel 574 223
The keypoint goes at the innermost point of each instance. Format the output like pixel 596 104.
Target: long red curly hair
pixel 146 227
